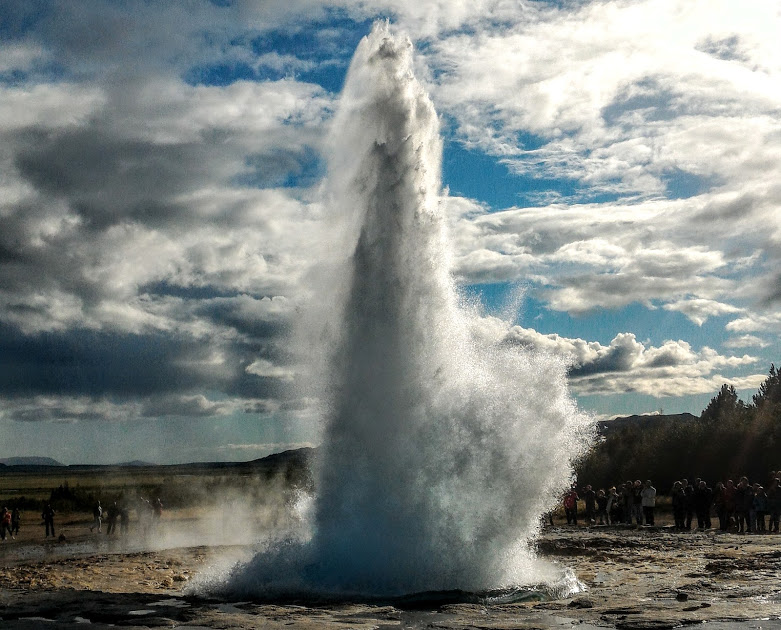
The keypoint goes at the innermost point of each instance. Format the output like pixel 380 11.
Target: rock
pixel 581 602
pixel 681 597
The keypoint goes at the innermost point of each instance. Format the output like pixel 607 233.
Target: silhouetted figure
pixel 16 519
pixel 628 495
pixel 774 505
pixel 703 498
pixel 730 501
pixel 5 523
pixel 614 506
pixel 97 517
pixel 602 515
pixel 571 506
pixel 48 519
pixel 590 499
pixel 760 510
pixel 648 501
pixel 720 505
pixel 744 499
pixel 679 505
pixel 637 502
pixel 688 491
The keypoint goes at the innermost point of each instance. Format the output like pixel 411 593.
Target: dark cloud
pixel 96 364
pixel 620 356
pixel 107 179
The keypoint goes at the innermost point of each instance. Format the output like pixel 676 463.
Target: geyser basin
pixel 442 444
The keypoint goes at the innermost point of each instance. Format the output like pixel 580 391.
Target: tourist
pixel 570 506
pixel 703 498
pixel 688 492
pixel 720 504
pixel 614 509
pixel 48 519
pixel 774 505
pixel 16 519
pixel 679 505
pixel 97 517
pixel 648 502
pixel 111 518
pixel 637 502
pixel 602 507
pixel 730 503
pixel 5 523
pixel 590 499
pixel 744 499
pixel 759 510
pixel 628 502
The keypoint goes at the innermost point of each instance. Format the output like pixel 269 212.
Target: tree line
pixel 731 438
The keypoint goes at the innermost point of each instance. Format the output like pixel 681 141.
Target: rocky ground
pixel 634 579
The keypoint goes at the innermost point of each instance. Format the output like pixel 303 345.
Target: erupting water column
pixel 441 450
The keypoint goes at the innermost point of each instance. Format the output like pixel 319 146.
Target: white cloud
pixel 627 365
pixel 700 310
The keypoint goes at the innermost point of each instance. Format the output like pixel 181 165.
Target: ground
pixel 633 579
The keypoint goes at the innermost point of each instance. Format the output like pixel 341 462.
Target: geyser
pixel 441 447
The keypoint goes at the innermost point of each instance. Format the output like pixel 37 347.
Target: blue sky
pixel 610 177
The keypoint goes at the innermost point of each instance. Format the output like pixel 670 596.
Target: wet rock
pixel 647 624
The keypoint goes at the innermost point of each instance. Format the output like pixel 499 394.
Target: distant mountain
pixel 607 427
pixel 30 461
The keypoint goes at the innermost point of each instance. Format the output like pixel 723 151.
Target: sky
pixel 611 180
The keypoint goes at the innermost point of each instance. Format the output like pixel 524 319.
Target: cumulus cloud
pixel 626 365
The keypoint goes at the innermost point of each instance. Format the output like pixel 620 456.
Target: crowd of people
pixel 116 517
pixel 740 507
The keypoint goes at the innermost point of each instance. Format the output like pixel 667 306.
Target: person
pixel 5 523
pixel 590 499
pixel 111 518
pixel 628 502
pixel 679 505
pixel 760 509
pixel 648 502
pixel 703 498
pixel 16 519
pixel 744 498
pixel 774 505
pixel 614 507
pixel 97 517
pixel 602 514
pixel 48 519
pixel 720 504
pixel 570 506
pixel 730 502
pixel 688 492
pixel 637 502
